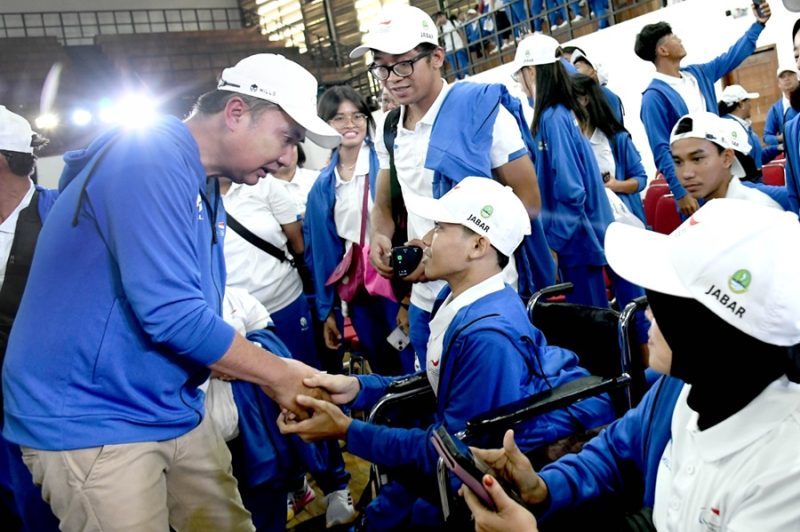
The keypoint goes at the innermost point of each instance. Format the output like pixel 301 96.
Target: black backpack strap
pixel 389 134
pixel 258 242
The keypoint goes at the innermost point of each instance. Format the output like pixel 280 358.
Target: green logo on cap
pixel 486 211
pixel 425 24
pixel 739 282
pixel 734 134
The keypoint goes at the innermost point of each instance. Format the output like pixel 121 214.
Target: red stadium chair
pixel 659 179
pixel 773 174
pixel 667 217
pixel 651 197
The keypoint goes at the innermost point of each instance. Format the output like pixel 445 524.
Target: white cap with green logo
pixel 738 258
pixel 398 30
pixel 483 205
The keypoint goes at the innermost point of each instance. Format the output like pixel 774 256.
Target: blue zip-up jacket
pixel 324 248
pixel 131 290
pixel 575 208
pixel 629 165
pixel 638 438
pixel 47 198
pixel 461 140
pixel 492 356
pixel 791 143
pixel 776 122
pixel 662 106
pixel 615 102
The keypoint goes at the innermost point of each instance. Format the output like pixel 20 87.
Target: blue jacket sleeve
pixel 147 214
pixel 633 161
pixel 792 169
pixel 777 193
pixel 639 438
pixel 373 387
pixel 772 127
pixel 658 127
pixel 741 50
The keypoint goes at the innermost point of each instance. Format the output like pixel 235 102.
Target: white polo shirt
pixel 601 148
pixel 7 229
pixel 742 474
pixel 262 208
pixel 688 89
pixel 737 190
pixel 300 186
pixel 410 151
pixel 350 199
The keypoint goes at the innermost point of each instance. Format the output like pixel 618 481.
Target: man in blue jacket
pixel 714 443
pixel 103 399
pixel 23 207
pixel 443 134
pixel 482 352
pixel 677 91
pixel 781 112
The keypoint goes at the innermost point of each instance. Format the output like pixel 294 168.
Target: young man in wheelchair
pixel 482 353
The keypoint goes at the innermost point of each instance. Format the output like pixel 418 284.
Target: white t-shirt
pixel 688 89
pixel 262 208
pixel 452 39
pixel 742 474
pixel 9 227
pixel 601 148
pixel 444 316
pixel 410 151
pixel 300 186
pixel 350 198
pixel 737 190
pixel 786 105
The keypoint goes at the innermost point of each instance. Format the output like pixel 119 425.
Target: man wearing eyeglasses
pixel 444 133
pixel 23 207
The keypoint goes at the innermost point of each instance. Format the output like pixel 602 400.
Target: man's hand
pixel 286 390
pixel 326 421
pixel 342 388
pixel 765 12
pixel 380 249
pixel 331 333
pixel 512 465
pixel 688 205
pixel 508 516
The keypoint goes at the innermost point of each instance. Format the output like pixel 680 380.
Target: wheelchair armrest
pixel 506 416
pixel 412 382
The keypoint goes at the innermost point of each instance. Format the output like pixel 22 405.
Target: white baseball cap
pixel 577 54
pixel 736 93
pixel 723 132
pixel 788 67
pixel 483 205
pixel 15 132
pixel 276 79
pixel 736 257
pixel 536 49
pixel 398 30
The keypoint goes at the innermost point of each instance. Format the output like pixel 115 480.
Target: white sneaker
pixel 340 508
pixel 577 18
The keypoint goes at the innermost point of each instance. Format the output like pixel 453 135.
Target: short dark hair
pixel 214 102
pixel 796 28
pixel 331 99
pixel 19 163
pixel 727 108
pixel 301 156
pixel 648 38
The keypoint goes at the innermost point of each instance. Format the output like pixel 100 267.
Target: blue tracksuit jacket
pixel 492 356
pixel 777 118
pixel 638 438
pixel 629 165
pixel 460 143
pixel 134 317
pixel 791 144
pixel 662 106
pixel 575 209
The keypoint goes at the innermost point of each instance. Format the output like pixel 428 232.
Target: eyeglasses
pixel 401 69
pixel 340 120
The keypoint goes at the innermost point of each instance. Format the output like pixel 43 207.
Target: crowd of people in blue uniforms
pixel 501 207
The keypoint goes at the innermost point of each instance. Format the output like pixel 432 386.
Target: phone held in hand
pixel 405 259
pixel 468 468
pixel 758 4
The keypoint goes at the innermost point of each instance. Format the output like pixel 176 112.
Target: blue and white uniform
pixel 779 114
pixel 667 99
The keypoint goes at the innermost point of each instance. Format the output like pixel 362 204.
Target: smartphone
pixel 758 3
pixel 405 259
pixel 467 467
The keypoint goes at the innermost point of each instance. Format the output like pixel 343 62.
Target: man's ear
pixel 728 157
pixel 480 247
pixel 234 112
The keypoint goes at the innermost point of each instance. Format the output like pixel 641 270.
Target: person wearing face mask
pixel 714 440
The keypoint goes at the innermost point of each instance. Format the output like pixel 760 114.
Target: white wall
pixel 28 6
pixel 49 170
pixel 705 31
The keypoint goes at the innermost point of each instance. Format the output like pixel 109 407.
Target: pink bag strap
pixel 364 209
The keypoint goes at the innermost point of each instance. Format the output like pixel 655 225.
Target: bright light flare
pixel 81 117
pixel 46 121
pixel 135 110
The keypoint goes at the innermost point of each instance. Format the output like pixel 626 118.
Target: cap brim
pixel 317 130
pixel 430 209
pixel 753 95
pixel 644 258
pixel 359 51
